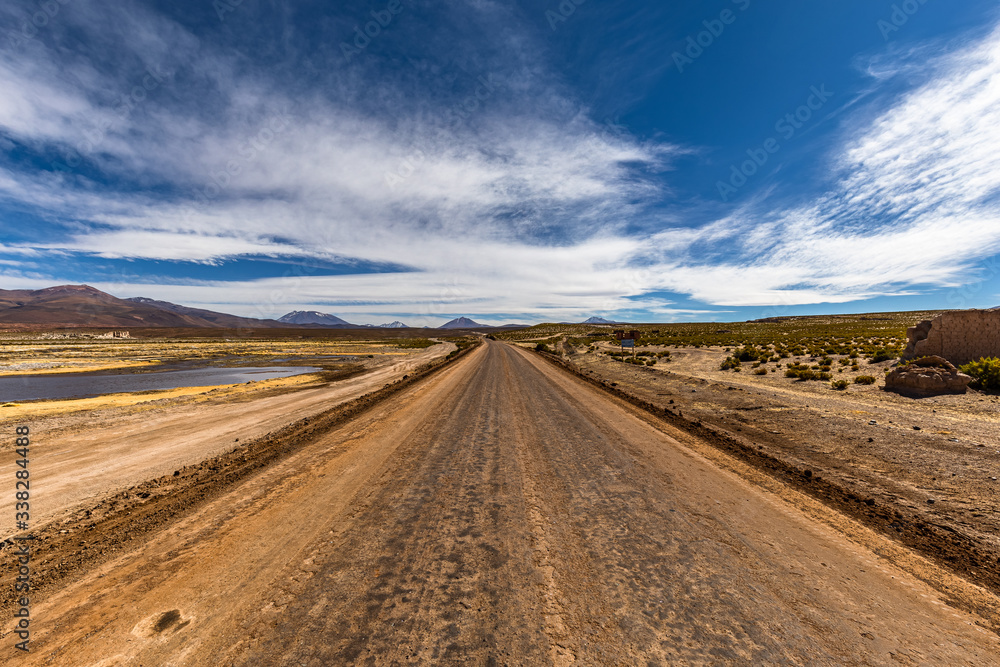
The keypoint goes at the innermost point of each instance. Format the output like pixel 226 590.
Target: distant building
pixel 115 334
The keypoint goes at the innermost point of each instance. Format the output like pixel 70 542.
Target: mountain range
pixel 86 306
pixel 462 323
pixel 202 316
pixel 314 317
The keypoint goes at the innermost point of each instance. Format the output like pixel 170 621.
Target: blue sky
pixel 507 161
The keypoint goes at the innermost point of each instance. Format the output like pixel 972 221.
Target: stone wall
pixel 959 336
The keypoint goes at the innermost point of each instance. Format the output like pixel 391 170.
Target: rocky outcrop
pixel 959 336
pixel 927 376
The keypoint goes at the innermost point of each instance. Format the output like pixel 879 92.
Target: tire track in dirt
pixel 424 573
pixel 562 647
pixel 647 565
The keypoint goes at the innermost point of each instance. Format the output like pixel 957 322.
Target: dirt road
pixel 500 512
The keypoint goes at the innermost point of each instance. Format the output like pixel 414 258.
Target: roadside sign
pixel 621 334
pixel 628 342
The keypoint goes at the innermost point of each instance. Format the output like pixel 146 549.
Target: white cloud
pixel 913 202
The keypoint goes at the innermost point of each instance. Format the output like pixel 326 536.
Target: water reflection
pixel 32 387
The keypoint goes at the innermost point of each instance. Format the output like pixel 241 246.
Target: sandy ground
pixel 940 477
pixel 505 512
pixel 80 457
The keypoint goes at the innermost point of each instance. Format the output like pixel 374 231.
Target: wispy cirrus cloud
pixel 911 201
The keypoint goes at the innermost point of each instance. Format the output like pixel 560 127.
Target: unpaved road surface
pixel 500 512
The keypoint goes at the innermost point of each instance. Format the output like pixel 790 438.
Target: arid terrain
pixel 497 509
pixel 921 470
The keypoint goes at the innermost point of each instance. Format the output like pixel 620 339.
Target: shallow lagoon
pixel 75 385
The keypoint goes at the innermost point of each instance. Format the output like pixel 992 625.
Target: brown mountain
pixel 209 317
pixel 85 306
